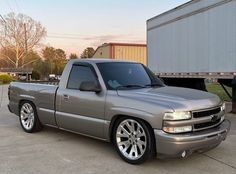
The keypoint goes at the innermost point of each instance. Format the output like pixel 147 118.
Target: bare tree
pixel 18 34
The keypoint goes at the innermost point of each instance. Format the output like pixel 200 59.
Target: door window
pixel 78 75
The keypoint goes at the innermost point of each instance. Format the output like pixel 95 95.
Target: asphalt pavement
pixel 54 151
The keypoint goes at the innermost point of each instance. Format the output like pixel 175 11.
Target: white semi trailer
pixel 192 42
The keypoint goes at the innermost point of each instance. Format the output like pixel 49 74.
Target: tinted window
pixel 78 75
pixel 116 74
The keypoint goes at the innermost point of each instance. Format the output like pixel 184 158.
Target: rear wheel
pixel 28 118
pixel 133 140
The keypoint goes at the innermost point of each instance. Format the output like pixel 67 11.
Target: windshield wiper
pixel 130 86
pixel 153 85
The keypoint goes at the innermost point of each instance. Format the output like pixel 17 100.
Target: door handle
pixel 66 97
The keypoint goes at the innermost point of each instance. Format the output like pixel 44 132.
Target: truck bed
pixel 42 95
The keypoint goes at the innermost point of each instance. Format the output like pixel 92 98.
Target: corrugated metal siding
pixel 131 53
pixel 202 42
pixel 102 52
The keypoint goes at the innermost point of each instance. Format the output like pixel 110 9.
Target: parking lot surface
pixel 54 151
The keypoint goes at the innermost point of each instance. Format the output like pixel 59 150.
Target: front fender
pixel 154 120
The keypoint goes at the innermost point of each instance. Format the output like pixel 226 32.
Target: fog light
pixel 222 118
pixel 223 107
pixel 183 154
pixel 178 129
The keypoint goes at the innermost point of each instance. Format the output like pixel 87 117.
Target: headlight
pixel 177 116
pixel 182 129
pixel 223 107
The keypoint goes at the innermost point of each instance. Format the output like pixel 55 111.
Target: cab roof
pixel 98 60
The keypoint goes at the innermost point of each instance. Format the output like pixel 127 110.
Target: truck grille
pixel 207 124
pixel 206 113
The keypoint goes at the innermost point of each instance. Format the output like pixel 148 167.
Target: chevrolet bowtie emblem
pixel 214 118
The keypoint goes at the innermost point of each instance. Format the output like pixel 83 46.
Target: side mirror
pixel 90 86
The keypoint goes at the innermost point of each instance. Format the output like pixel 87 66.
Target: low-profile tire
pixel 133 140
pixel 29 118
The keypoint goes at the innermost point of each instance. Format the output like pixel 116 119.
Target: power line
pixel 85 37
pixel 73 36
pixel 79 38
pixel 65 37
pixel 88 38
pixel 66 34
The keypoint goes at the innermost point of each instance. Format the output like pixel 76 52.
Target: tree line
pixel 21 39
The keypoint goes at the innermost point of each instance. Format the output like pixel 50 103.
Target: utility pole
pixel 26 47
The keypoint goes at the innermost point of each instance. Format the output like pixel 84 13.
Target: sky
pixel 74 25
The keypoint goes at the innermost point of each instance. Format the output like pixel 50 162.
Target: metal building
pixel 122 51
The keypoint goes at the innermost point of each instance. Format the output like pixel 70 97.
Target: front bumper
pixel 175 144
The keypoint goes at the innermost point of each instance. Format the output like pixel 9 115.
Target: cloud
pixel 78 43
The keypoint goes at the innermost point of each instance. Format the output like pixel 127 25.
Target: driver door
pixel 81 111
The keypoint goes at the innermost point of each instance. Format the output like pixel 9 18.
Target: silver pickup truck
pixel 124 103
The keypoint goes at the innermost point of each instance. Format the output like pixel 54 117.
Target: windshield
pixel 123 75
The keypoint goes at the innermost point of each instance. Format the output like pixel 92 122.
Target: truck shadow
pixel 108 150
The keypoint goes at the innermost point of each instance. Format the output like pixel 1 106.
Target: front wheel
pixel 28 118
pixel 133 140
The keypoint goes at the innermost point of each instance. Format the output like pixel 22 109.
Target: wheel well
pixel 37 123
pixel 115 119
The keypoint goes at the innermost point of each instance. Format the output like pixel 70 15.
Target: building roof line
pixel 124 44
pixel 119 44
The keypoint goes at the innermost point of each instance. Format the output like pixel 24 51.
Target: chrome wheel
pixel 131 139
pixel 27 116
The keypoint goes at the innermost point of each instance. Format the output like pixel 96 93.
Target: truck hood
pixel 178 99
